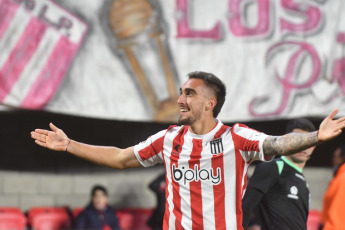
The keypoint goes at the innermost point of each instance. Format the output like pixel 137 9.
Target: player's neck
pixel 300 165
pixel 203 126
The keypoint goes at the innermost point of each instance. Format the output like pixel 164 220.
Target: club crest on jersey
pixel 186 175
pixel 216 146
pixel 293 193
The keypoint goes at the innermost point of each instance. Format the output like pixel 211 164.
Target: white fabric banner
pixel 126 60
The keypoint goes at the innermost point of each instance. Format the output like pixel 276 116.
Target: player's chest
pixel 293 186
pixel 195 150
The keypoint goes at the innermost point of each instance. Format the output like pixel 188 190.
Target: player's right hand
pixel 55 140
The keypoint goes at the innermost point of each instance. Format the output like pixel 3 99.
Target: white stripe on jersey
pixel 186 220
pixel 168 145
pixel 230 188
pixel 170 194
pixel 207 193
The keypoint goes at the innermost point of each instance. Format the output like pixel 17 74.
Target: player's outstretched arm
pixel 113 157
pixel 295 142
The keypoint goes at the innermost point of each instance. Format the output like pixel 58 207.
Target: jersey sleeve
pixel 149 152
pixel 264 176
pixel 249 142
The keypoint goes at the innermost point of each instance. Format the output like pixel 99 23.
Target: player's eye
pixel 190 93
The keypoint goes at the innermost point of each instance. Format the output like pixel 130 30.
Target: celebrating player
pixel 205 161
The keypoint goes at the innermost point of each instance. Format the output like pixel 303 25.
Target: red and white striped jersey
pixel 205 174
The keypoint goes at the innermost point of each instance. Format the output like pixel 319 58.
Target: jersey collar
pixel 208 136
pixel 287 161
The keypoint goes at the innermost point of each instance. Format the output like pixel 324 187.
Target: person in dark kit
pixel 158 187
pixel 98 215
pixel 277 192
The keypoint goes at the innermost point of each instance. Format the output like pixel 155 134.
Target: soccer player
pixel 205 161
pixel 278 189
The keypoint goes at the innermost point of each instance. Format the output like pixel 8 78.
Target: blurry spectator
pixel 98 215
pixel 158 187
pixel 333 215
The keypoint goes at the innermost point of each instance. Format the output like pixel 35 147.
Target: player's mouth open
pixel 183 110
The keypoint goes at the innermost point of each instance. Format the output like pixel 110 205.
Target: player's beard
pixel 190 120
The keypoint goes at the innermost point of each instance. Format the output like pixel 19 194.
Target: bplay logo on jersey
pixel 187 175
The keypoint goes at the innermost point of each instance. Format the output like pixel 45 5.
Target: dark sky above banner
pixel 126 60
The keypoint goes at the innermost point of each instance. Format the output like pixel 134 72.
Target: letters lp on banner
pixel 38 42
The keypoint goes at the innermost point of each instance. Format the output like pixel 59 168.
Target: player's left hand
pixel 330 128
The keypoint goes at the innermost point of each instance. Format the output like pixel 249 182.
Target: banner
pixel 126 60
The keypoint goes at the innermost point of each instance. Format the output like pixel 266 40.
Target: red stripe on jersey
pixel 174 157
pixel 219 190
pixel 166 212
pixel 239 143
pixel 251 144
pixel 239 190
pixel 243 143
pixel 155 147
pixel 195 187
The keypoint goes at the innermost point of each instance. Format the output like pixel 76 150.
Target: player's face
pixel 304 155
pixel 192 101
pixel 99 200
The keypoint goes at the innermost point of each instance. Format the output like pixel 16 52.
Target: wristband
pixel 69 141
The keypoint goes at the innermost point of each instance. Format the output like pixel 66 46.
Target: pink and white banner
pixel 38 41
pixel 126 60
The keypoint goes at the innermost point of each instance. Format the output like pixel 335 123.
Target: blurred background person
pixel 333 215
pixel 98 214
pixel 278 191
pixel 158 187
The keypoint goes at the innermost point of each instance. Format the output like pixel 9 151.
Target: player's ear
pixel 211 103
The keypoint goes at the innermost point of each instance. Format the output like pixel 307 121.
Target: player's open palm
pixel 330 128
pixel 56 139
